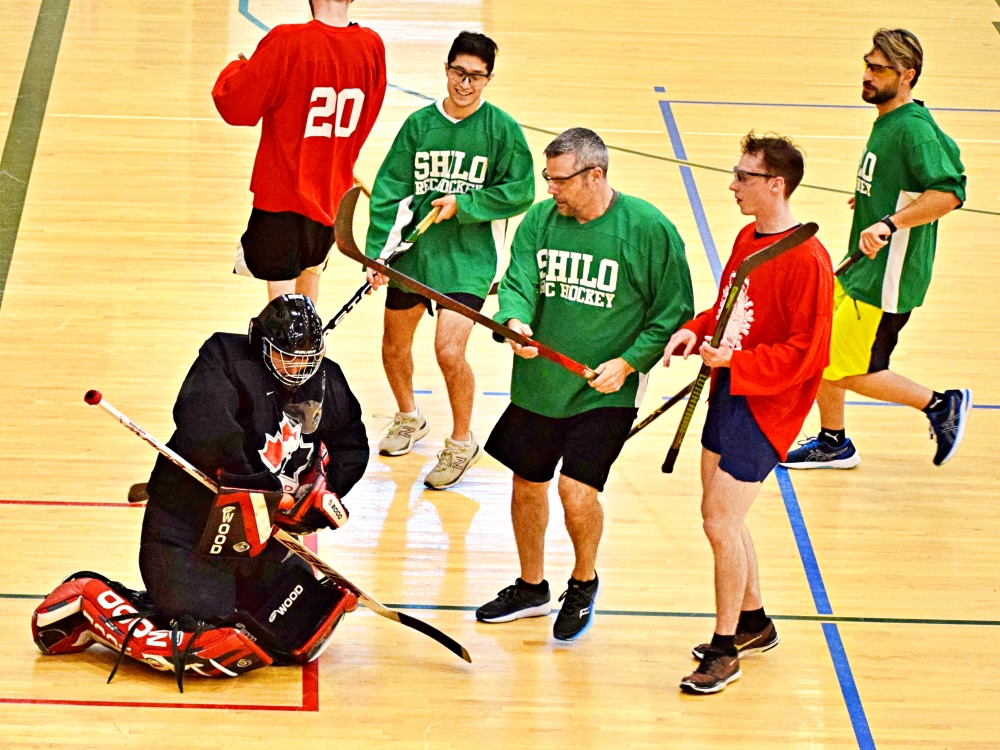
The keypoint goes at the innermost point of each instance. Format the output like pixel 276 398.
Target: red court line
pixel 310 671
pixel 73 504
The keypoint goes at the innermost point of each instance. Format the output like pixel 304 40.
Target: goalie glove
pixel 314 506
pixel 242 515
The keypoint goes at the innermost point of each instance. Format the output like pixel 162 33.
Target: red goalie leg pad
pixel 315 646
pixel 58 625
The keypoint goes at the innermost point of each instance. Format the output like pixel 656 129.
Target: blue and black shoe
pixel 816 453
pixel 577 613
pixel 948 423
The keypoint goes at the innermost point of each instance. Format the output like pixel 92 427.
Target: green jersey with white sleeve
pixel 484 161
pixel 907 153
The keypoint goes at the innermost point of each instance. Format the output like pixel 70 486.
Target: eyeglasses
pixel 545 175
pixel 458 75
pixel 742 174
pixel 877 69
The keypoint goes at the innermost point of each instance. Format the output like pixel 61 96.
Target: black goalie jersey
pixel 232 414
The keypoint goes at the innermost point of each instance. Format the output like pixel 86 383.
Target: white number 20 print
pixel 333 102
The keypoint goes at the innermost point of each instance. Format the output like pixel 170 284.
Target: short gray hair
pixel 584 144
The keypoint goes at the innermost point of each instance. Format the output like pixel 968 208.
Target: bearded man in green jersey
pixel 602 278
pixel 909 177
pixel 471 159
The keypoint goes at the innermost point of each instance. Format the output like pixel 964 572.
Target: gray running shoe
pixel 403 433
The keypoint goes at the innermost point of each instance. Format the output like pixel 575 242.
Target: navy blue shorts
pixel 733 433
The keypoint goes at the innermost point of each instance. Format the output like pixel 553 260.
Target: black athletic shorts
pixel 531 445
pixel 280 246
pixel 400 299
pixel 732 432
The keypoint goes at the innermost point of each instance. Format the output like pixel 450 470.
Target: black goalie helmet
pixel 289 335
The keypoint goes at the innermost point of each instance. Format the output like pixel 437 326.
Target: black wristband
pixel 887 220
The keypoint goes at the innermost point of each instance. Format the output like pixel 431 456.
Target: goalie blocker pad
pixel 293 625
pixel 240 523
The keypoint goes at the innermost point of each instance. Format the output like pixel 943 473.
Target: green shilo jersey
pixel 906 154
pixel 484 161
pixel 616 286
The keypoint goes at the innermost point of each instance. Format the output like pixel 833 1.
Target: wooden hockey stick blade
pixel 344 234
pixel 370 602
pixel 398 250
pixel 749 263
pixel 662 409
pixel 847 262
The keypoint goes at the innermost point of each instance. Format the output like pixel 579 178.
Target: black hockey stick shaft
pixel 749 263
pixel 94 398
pixel 661 409
pixel 847 262
pixel 387 258
pixel 344 233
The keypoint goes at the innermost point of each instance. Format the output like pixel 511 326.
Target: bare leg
pixel 889 386
pixel 450 339
pixel 584 522
pixel 276 288
pixel 397 353
pixel 308 284
pixel 751 596
pixel 529 509
pixel 830 399
pixel 724 507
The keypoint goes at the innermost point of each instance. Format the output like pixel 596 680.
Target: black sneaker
pixel 577 611
pixel 717 669
pixel 948 424
pixel 515 602
pixel 747 642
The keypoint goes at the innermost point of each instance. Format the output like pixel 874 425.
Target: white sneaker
pixel 403 433
pixel 453 462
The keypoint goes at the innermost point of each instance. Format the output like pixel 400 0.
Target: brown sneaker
pixel 747 642
pixel 717 669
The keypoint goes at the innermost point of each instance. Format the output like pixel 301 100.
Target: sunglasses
pixel 879 70
pixel 743 175
pixel 458 75
pixel 545 175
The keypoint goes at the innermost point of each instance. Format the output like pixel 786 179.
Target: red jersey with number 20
pixel 779 332
pixel 319 89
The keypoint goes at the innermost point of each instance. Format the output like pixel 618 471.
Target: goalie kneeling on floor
pixel 277 423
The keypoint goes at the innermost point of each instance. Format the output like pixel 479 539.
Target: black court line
pixel 26 126
pixel 678 615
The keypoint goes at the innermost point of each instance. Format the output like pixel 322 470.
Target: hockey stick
pixel 386 257
pixel 847 262
pixel 749 263
pixel 94 398
pixel 344 233
pixel 661 409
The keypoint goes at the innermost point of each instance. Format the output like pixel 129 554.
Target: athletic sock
pixel 534 588
pixel 725 643
pixel 414 414
pixel 937 403
pixel 753 620
pixel 833 438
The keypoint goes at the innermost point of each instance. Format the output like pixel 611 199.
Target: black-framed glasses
pixel 545 175
pixel 742 174
pixel 878 69
pixel 458 74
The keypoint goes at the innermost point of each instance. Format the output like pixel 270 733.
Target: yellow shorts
pixel 863 336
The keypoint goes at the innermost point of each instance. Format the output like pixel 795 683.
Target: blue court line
pixel 660 90
pixel 425 392
pixel 497 393
pixel 848 688
pixel 245 12
pixel 692 191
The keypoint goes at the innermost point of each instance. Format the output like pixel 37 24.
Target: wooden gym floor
pixel 882 580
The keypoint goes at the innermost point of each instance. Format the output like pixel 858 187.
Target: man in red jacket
pixel 766 372
pixel 318 87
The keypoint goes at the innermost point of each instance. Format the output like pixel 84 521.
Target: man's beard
pixel 879 96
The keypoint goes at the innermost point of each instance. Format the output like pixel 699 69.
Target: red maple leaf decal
pixel 272 453
pixel 287 431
